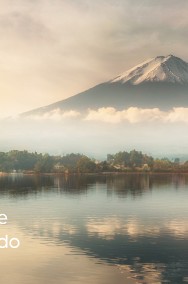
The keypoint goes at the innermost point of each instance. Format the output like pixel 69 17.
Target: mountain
pixel 158 82
pixel 169 69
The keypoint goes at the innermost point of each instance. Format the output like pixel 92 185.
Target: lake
pixel 130 228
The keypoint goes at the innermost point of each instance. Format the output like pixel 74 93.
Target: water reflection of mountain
pixel 152 252
pixel 147 247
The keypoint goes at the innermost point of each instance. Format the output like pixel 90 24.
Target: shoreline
pixel 95 174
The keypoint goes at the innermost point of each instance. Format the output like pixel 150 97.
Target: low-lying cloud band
pixel 113 116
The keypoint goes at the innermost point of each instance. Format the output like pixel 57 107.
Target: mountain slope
pixel 159 82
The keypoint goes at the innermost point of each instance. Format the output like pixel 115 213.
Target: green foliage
pixel 162 165
pixel 44 164
pixel 17 160
pixel 131 159
pixel 25 161
pixel 104 166
pixel 77 163
pixel 85 165
pixel 70 161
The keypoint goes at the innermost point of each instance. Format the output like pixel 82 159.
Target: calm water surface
pixel 95 229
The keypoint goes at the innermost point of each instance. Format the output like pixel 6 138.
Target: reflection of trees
pixel 16 185
pixel 122 184
pixel 163 180
pixel 74 184
pixel 129 184
pixel 137 184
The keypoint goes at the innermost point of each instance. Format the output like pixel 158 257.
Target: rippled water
pixel 95 229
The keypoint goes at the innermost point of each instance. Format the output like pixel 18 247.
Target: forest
pixel 27 162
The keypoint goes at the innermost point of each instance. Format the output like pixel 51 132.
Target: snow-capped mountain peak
pixel 170 69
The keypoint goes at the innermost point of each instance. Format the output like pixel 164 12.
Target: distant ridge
pixel 160 82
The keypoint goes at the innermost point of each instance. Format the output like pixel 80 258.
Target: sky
pixel 53 49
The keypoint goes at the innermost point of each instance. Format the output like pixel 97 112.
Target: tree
pixel 86 165
pixel 44 164
pixel 162 165
pixel 136 158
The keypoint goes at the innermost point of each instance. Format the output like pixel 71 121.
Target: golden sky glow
pixel 51 50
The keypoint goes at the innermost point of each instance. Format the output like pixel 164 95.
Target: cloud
pixel 138 115
pixel 111 115
pixel 108 228
pixel 179 114
pixel 55 115
pixel 178 227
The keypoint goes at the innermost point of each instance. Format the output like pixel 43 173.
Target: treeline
pixel 24 161
pixel 136 160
